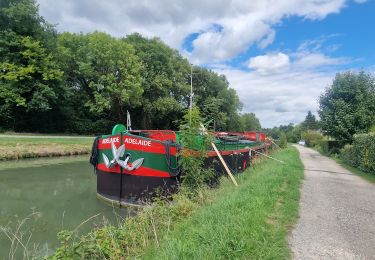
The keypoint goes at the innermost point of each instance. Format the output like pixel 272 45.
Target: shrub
pixel 86 126
pixel 312 138
pixel 331 146
pixel 283 141
pixel 194 174
pixel 361 153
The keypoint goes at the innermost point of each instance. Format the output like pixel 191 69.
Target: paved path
pixel 337 212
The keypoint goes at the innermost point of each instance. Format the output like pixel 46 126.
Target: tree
pixel 30 79
pixel 310 122
pixel 84 83
pixel 295 134
pixel 212 112
pixel 217 101
pixel 164 80
pixel 249 122
pixel 104 69
pixel 347 106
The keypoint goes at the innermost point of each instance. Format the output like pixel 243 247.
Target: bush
pixel 194 174
pixel 312 138
pixel 293 137
pixel 86 126
pixel 331 146
pixel 361 153
pixel 283 141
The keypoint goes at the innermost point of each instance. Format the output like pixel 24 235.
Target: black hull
pixel 138 190
pixel 132 189
pixel 236 163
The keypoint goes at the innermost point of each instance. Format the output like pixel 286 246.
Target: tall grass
pixel 19 236
pixel 250 221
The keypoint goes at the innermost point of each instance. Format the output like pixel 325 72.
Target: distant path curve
pixel 337 212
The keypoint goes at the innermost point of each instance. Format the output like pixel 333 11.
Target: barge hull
pixel 132 189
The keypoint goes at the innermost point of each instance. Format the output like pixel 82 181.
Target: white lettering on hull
pixel 137 141
pixel 111 140
pixel 126 141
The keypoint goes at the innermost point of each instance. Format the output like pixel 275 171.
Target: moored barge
pixel 134 166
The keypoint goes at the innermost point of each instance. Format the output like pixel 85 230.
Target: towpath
pixel 337 212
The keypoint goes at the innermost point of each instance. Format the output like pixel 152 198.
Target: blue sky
pixel 278 55
pixel 351 31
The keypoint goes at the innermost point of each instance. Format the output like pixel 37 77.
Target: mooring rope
pixel 268 156
pixel 275 144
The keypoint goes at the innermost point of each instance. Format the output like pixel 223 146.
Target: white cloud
pixel 243 23
pixel 281 87
pixel 279 98
pixel 310 55
pixel 267 40
pixel 270 63
pixel 314 60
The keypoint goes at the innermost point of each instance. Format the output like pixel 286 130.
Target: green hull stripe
pixel 152 160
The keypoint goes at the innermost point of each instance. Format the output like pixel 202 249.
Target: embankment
pixel 19 147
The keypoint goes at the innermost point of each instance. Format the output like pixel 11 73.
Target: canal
pixel 40 197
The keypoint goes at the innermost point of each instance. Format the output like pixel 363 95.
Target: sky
pixel 279 56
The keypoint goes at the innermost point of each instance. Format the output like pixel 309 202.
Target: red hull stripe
pixel 142 171
pixel 135 144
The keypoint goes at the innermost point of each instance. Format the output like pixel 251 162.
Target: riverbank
pixel 33 146
pixel 249 221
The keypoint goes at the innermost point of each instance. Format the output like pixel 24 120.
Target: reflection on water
pixel 43 196
pixel 44 161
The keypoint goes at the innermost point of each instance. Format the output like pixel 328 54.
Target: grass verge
pixel 250 221
pixel 365 175
pixel 13 147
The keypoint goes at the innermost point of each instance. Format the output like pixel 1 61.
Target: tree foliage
pixel 84 83
pixel 164 81
pixel 361 153
pixel 249 122
pixel 310 122
pixel 106 70
pixel 30 79
pixel 347 106
pixel 312 138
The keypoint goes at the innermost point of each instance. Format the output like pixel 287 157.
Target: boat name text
pixel 127 141
pixel 137 141
pixel 111 140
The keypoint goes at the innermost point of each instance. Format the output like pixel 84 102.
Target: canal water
pixel 40 197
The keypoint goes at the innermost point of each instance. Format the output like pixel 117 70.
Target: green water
pixel 48 195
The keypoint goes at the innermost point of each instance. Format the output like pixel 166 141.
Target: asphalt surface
pixel 337 212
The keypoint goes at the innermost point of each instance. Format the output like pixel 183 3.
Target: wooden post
pixel 224 164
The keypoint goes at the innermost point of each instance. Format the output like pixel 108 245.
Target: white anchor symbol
pixel 117 153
